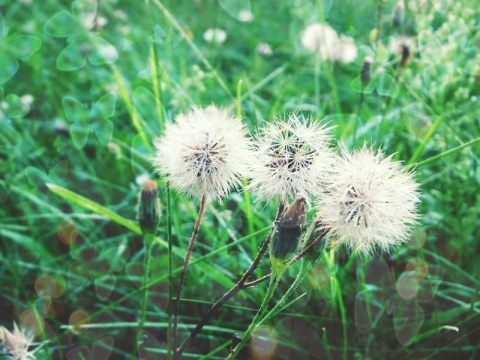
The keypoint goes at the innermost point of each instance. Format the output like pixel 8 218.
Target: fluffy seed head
pixel 204 152
pixel 15 345
pixel 293 158
pixel 370 202
pixel 320 39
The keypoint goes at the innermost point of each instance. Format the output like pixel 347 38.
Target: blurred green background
pixel 85 87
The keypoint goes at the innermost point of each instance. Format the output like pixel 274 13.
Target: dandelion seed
pixel 204 152
pixel 370 202
pixel 15 345
pixel 293 157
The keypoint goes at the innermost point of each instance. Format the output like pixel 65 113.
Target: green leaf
pixel 75 110
pixel 386 85
pixel 104 130
pixel 24 46
pixel 105 106
pixel 79 133
pixel 9 137
pixel 73 57
pixel 102 52
pixel 144 103
pixel 235 7
pixel 62 24
pixel 8 65
pixel 3 27
pixel 93 206
pixel 15 107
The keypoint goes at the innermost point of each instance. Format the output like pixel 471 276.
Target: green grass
pixel 76 139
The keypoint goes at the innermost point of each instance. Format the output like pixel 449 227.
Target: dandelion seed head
pixel 15 345
pixel 320 39
pixel 204 152
pixel 370 202
pixel 344 50
pixel 293 157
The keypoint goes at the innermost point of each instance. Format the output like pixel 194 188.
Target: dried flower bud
pixel 365 72
pixel 287 235
pixel 149 208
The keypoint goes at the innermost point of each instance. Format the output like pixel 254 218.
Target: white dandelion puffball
pixel 215 36
pixel 344 50
pixel 204 152
pixel 293 157
pixel 370 202
pixel 320 39
pixel 15 345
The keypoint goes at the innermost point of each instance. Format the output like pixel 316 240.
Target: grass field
pixel 87 86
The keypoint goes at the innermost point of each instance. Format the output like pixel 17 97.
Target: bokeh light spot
pixel 407 286
pixel 50 286
pixel 67 232
pixel 418 239
pixel 77 319
pixel 264 343
pixel 419 267
pixel 319 277
pixel 33 321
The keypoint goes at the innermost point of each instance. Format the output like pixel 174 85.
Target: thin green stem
pixel 240 285
pixel 170 275
pixel 316 79
pixel 274 280
pixel 304 269
pixel 183 275
pixel 148 241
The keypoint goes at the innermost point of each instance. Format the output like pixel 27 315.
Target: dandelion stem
pixel 274 280
pixel 304 269
pixel 241 284
pixel 196 226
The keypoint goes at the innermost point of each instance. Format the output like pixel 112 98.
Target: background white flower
pixel 320 39
pixel 204 152
pixel 216 36
pixel 344 50
pixel 324 41
pixel 293 157
pixel 370 202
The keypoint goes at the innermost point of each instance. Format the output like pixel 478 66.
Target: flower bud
pixel 365 72
pixel 149 208
pixel 288 231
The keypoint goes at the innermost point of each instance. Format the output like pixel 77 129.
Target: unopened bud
pixel 149 208
pixel 373 36
pixel 287 235
pixel 398 12
pixel 316 230
pixel 405 53
pixel 365 72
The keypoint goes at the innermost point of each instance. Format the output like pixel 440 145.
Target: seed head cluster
pixel 16 344
pixel 364 199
